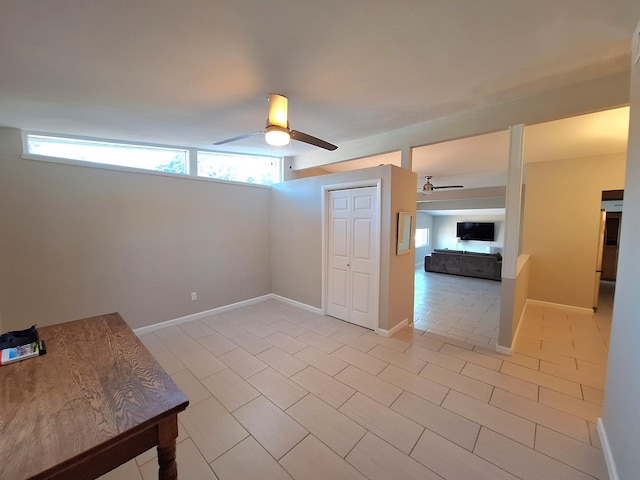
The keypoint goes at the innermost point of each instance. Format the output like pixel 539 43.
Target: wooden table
pixel 97 399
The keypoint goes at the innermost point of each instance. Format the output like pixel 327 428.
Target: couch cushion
pixel 445 262
pixel 483 266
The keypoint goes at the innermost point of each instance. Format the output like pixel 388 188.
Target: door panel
pixel 339 249
pixel 340 204
pixel 341 238
pixel 340 280
pixel 362 202
pixel 362 239
pixel 360 289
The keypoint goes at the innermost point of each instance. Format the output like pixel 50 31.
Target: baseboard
pixel 515 334
pixel 388 333
pixel 503 350
pixel 224 308
pixel 295 303
pixel 561 306
pixel 606 449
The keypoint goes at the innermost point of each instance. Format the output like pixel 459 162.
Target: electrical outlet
pixel 194 296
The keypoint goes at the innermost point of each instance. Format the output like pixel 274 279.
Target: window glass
pixel 138 156
pixel 422 237
pixel 240 168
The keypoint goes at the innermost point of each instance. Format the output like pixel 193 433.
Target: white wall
pixel 622 393
pixel 78 241
pixel 424 220
pixel 444 227
pixel 296 253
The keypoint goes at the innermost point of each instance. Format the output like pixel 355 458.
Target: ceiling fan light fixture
pixel 277 136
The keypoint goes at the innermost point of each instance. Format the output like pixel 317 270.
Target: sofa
pixel 468 264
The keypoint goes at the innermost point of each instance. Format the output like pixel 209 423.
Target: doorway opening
pixel 612 202
pixel 351 253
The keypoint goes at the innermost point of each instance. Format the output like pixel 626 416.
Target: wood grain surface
pixel 97 387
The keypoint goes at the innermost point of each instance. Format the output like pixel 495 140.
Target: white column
pixel 513 207
pixel 406 159
pixel 513 202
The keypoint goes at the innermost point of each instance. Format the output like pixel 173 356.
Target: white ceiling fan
pixel 429 187
pixel 277 132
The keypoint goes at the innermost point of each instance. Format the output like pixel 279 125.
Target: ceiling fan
pixel 428 187
pixel 277 132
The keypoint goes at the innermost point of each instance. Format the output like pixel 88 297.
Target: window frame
pixel 428 242
pixel 279 164
pixel 191 158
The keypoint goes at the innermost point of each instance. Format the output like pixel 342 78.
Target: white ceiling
pixel 481 161
pixel 196 71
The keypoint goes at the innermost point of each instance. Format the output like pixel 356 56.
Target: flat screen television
pixel 482 231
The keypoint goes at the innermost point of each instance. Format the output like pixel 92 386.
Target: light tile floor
pixel 279 392
pixel 462 308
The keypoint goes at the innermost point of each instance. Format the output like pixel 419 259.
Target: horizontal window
pixel 257 169
pixel 241 168
pixel 125 155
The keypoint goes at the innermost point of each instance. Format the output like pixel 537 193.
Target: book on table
pixel 22 352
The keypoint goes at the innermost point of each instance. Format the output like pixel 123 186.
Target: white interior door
pixel 353 256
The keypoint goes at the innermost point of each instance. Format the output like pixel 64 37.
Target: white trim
pixel 388 333
pixel 324 228
pixel 503 350
pixel 373 182
pixel 295 303
pixel 521 261
pixel 142 171
pixel 224 308
pixel 606 449
pixel 560 305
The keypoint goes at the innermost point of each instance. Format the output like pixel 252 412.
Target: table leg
pixel 167 434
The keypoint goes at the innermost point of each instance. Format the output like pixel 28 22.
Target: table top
pixel 96 382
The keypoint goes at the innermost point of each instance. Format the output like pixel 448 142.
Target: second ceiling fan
pixel 429 187
pixel 277 132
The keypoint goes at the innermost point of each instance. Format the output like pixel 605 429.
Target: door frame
pixel 325 231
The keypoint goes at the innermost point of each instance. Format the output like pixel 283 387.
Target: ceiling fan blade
pixel 239 137
pixel 449 186
pixel 303 137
